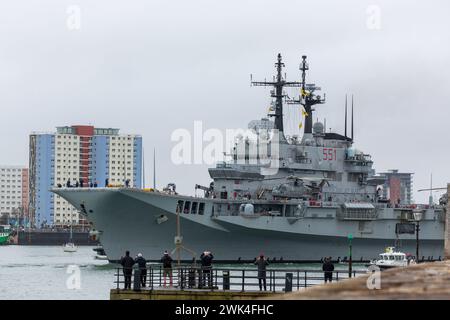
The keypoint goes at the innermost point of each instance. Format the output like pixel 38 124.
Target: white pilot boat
pixel 393 259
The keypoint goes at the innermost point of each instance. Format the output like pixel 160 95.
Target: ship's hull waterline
pixel 130 219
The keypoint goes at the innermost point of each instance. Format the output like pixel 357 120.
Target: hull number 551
pixel 329 154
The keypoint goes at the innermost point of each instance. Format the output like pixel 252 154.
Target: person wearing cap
pixel 206 260
pixel 142 263
pixel 167 267
pixel 262 263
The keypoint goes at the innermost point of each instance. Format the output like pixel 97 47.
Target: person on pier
pixel 127 263
pixel 142 263
pixel 206 260
pixel 167 267
pixel 262 263
pixel 328 268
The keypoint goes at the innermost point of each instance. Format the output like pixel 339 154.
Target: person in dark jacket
pixel 127 263
pixel 328 268
pixel 206 261
pixel 262 263
pixel 142 263
pixel 167 267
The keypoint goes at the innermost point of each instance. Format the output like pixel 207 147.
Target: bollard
pixel 191 278
pixel 226 279
pixel 137 280
pixel 182 278
pixel 200 280
pixel 288 282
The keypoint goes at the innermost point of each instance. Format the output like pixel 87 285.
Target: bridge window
pixel 187 207
pixel 201 208
pixel 180 206
pixel 194 207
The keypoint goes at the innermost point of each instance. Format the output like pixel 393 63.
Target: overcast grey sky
pixel 152 67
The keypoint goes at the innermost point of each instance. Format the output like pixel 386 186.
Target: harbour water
pixel 40 272
pixel 46 272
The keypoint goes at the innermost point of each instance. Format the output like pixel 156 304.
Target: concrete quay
pixel 424 281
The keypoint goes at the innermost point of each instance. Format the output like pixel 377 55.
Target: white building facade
pixel 13 191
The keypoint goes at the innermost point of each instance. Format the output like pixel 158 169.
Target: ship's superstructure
pixel 321 167
pixel 292 198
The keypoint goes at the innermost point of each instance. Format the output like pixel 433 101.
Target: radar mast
pixel 307 98
pixel 278 83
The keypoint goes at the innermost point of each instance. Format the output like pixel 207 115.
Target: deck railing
pixel 238 279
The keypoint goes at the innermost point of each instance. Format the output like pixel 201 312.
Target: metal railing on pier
pixel 238 279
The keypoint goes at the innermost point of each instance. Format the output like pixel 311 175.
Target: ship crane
pixel 443 200
pixel 208 190
pixel 432 189
pixel 170 189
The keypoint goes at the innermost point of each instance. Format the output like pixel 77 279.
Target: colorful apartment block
pixel 79 156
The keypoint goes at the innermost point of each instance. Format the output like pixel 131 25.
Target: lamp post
pixel 350 237
pixel 417 218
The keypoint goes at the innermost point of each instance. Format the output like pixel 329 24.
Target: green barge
pixel 5 232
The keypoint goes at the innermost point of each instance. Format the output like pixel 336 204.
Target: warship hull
pixel 146 222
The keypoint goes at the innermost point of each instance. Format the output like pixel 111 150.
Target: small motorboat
pixel 393 259
pixel 70 247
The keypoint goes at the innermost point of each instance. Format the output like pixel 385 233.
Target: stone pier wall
pixel 447 226
pixel 429 280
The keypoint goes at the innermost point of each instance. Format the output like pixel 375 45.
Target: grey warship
pixel 298 200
